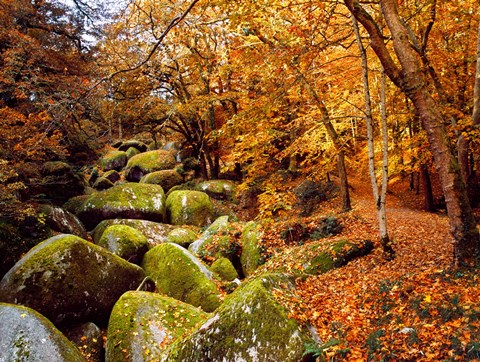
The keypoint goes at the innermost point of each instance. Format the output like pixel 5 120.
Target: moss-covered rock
pixel 68 279
pixel 150 161
pixel 56 168
pixel 142 325
pixel 183 236
pixel 225 269
pixel 112 175
pixel 219 240
pixel 335 256
pixel 156 233
pixel 251 257
pixel 187 207
pixel 62 221
pixel 124 241
pixel 113 160
pixel 139 145
pixel 129 200
pixel 219 189
pixel 132 151
pixel 165 178
pixel 250 325
pixel 26 335
pixel 88 339
pixel 102 183
pixel 180 275
pixel 59 182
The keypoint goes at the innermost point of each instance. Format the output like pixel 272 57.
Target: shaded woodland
pixel 364 111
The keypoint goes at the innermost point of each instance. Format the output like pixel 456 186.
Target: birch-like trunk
pixel 409 77
pixel 379 193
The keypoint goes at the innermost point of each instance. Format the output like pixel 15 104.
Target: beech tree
pixel 407 74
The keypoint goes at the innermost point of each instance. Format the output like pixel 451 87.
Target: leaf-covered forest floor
pixel 413 308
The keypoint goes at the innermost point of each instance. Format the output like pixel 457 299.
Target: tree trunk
pixel 378 195
pixel 429 205
pixel 411 80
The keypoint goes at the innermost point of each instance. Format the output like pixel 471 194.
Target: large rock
pixel 150 161
pixel 62 221
pixel 251 257
pixel 26 335
pixel 180 275
pixel 187 207
pixel 130 200
pixel 165 178
pixel 124 241
pixel 139 145
pixel 250 325
pixel 217 241
pixel 219 189
pixel 142 325
pixel 113 160
pixel 68 279
pixel 155 232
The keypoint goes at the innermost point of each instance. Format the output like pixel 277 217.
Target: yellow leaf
pixel 427 299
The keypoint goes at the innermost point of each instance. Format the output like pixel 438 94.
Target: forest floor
pixel 413 308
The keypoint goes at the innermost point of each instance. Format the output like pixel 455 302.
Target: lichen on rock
pixel 180 275
pixel 142 325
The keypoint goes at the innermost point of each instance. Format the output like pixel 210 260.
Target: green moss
pixel 165 178
pixel 152 161
pixel 113 160
pixel 142 325
pixel 251 257
pixel 225 269
pixel 182 236
pixel 179 275
pixel 124 241
pixel 129 200
pixel 219 189
pixel 67 279
pixel 250 326
pixel 187 207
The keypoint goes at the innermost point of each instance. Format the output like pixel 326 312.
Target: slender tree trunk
pixel 378 195
pixel 411 80
pixel 429 204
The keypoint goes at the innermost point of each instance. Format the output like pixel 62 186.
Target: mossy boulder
pixel 59 182
pixel 150 161
pixel 336 255
pixel 139 145
pixel 178 274
pixel 129 200
pixel 124 241
pixel 102 183
pixel 113 160
pixel 112 175
pixel 225 269
pixel 251 257
pixel 219 189
pixel 155 232
pixel 26 335
pixel 142 325
pixel 217 241
pixel 187 207
pixel 165 178
pixel 63 221
pixel 132 151
pixel 69 279
pixel 250 325
pixel 183 236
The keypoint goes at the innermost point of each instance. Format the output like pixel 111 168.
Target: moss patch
pixel 187 207
pixel 249 326
pixel 178 274
pixel 130 200
pixel 251 257
pixel 124 241
pixel 142 325
pixel 225 269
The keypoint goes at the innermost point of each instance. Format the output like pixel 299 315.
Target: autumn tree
pixel 408 75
